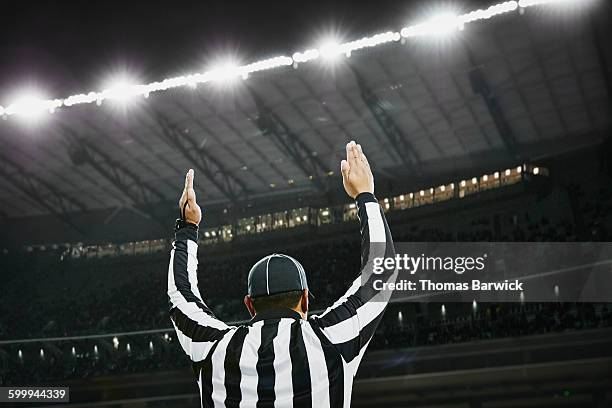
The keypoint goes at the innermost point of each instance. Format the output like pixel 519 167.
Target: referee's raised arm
pixel 196 326
pixel 351 321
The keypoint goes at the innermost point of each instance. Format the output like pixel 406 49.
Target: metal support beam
pixel 231 186
pixel 140 194
pixel 604 68
pixel 402 148
pixel 480 86
pixel 40 192
pixel 290 144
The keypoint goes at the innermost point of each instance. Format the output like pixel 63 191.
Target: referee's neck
pixel 278 313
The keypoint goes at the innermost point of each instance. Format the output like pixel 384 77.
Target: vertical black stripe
pixel 335 369
pixel 300 369
pixel 232 368
pixel 206 371
pixel 265 365
pixel 335 376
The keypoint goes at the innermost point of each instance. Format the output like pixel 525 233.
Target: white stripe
pixel 283 387
pixel 248 369
pixel 351 291
pixel 200 386
pixel 192 248
pixel 375 223
pixel 376 229
pixel 196 350
pixel 218 370
pixel 349 373
pixel 267 276
pixel 319 380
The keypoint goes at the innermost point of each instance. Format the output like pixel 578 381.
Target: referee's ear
pixel 304 301
pixel 248 302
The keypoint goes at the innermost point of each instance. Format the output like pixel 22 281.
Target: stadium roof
pixel 515 88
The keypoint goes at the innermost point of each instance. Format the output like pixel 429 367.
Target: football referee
pixel 282 357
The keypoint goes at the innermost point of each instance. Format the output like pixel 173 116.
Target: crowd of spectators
pixel 125 294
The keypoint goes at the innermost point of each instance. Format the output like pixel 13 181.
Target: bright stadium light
pixel 442 24
pixel 529 3
pixel 330 50
pixel 120 89
pixel 226 72
pixel 31 105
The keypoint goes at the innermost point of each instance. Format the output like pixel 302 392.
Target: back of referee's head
pixel 277 281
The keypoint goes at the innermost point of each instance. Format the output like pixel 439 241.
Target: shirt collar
pixel 276 314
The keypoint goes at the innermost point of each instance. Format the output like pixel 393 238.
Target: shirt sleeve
pixel 351 321
pixel 196 326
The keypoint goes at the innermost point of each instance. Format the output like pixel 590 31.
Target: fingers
pixel 188 192
pixel 189 179
pixel 352 154
pixel 344 168
pixel 363 157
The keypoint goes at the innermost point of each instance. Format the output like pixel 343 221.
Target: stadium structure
pixel 498 132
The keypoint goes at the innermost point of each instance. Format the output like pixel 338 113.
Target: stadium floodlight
pixel 529 3
pixel 330 50
pixel 442 24
pixel 120 89
pixel 487 13
pixel 226 72
pixel 306 56
pixel 31 104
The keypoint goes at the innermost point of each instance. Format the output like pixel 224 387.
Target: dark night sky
pixel 70 46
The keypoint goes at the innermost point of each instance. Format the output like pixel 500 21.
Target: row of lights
pixel 386 201
pixel 73 351
pixel 442 24
pixel 400 317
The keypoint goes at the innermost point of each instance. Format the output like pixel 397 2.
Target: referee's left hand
pixel 193 213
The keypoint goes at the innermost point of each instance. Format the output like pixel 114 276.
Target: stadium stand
pixel 79 295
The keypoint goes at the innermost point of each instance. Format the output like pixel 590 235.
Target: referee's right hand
pixel 193 213
pixel 357 176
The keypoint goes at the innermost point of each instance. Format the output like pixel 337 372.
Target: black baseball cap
pixel 276 273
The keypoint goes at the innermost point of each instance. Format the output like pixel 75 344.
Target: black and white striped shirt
pixel 279 359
